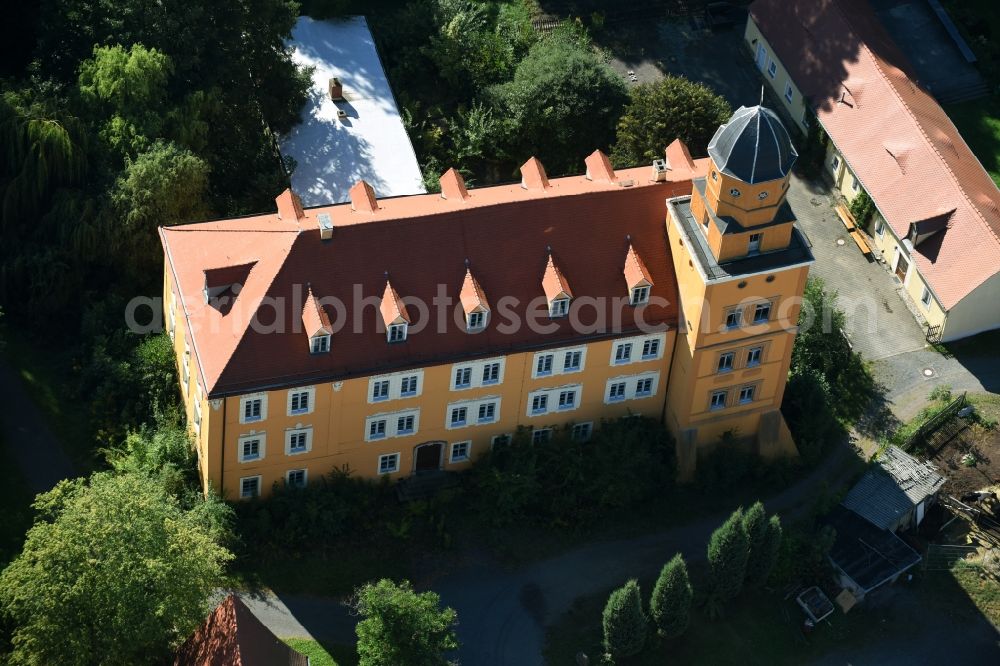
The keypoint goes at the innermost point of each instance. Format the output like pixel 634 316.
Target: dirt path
pixel 33 446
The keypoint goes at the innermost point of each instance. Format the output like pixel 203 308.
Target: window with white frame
pixel 320 344
pixel 541 435
pixel 772 69
pixel 754 355
pixel 644 387
pixel 500 440
pixel 559 398
pixel 559 308
pixel 197 410
pixel 463 377
pixel 640 295
pixel 408 386
pixel 298 441
pixel 650 348
pixel 572 361
pixel 623 353
pixel 559 361
pixel 388 463
pixel 747 393
pixel 395 424
pixel 789 92
pixel 475 321
pixel 251 447
pixel 377 429
pixel 396 333
pixel 726 361
pixel 879 227
pixel 380 390
pixel 249 487
pixel 185 370
pixel 539 403
pixel 543 364
pixel 405 425
pixel 717 400
pixel 253 408
pixel 459 416
pixel 300 401
pixel 491 373
pixel 567 399
pixel 734 317
pixel 295 478
pixel 616 392
pixel 581 432
pixel 855 184
pixel 925 297
pixel 835 163
pixel 487 412
pixel 762 313
pixel 460 451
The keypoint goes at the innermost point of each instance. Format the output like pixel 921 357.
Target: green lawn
pixel 983 591
pixel 324 654
pixel 979 123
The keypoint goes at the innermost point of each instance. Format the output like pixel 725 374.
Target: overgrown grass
pixel 983 590
pixel 323 653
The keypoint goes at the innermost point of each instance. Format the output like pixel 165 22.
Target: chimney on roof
pixel 453 185
pixel 363 198
pixel 336 90
pixel 533 175
pixel 289 206
pixel 679 157
pixel 599 167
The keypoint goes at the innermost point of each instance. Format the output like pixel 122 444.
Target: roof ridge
pixel 920 128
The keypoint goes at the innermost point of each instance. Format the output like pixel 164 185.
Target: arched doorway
pixel 427 457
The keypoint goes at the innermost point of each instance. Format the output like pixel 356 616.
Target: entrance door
pixel 428 457
pixel 902 265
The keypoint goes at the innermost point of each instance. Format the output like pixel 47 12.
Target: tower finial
pixel 761 95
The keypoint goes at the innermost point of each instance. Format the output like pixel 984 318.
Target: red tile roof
pixel 635 270
pixel 472 295
pixel 233 636
pixel 894 135
pixel 424 241
pixel 314 317
pixel 392 307
pixel 554 283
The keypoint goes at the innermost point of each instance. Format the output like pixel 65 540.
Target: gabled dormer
pixel 924 229
pixel 556 289
pixel 637 278
pixel 316 324
pixel 394 315
pixel 223 285
pixel 474 303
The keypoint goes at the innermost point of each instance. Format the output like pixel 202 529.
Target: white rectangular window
pixel 487 412
pixel 397 333
pixel 380 390
pixel 855 184
pixel 540 404
pixel 718 400
pixel 559 307
pixel 644 388
pixel 879 227
pixel 253 409
pixel 753 247
pixel 377 429
pixel 558 361
pixel 650 348
pixel 299 441
pixel 835 163
pixel 388 463
pixel 761 313
pixel 460 451
pixel 405 424
pixel 746 394
pixel 543 365
pixel 623 352
pixel 571 361
pixel 300 401
pixel 541 435
pixel 567 399
pixel 476 320
pixel 734 317
pixel 499 441
pixel 459 416
pixel 581 431
pixel 251 447
pixel 463 377
pixel 295 478
pixel 772 69
pixel 789 92
pixel 616 392
pixel 925 297
pixel 408 386
pixel 250 486
pixel 753 356
pixel 320 344
pixel 640 295
pixel 726 361
pixel 491 373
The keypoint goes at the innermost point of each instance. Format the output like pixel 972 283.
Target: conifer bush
pixel 624 622
pixel 670 605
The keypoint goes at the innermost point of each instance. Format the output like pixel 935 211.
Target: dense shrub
pixel 400 627
pixel 670 605
pixel 764 540
pixel 728 550
pixel 623 622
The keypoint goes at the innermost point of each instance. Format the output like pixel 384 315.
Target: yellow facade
pixel 776 76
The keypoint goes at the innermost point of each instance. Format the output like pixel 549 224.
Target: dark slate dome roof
pixel 753 146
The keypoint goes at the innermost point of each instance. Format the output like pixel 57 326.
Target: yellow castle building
pixel 403 335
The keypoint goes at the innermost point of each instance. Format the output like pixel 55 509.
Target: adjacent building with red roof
pixel 937 225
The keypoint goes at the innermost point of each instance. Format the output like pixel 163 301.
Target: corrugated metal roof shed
pixel 892 488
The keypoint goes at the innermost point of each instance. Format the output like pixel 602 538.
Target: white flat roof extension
pixel 371 143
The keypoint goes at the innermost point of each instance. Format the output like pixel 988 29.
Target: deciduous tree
pixel 402 627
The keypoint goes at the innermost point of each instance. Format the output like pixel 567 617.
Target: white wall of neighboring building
pixel 779 81
pixel 976 313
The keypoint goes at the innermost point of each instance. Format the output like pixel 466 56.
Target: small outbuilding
pixel 896 492
pixel 864 556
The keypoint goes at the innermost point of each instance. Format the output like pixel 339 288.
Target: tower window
pixel 718 400
pixel 762 313
pixel 734 192
pixel 734 318
pixel 726 361
pixel 754 245
pixel 746 394
pixel 715 175
pixel 762 195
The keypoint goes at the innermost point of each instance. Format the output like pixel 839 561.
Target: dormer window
pixel 559 308
pixel 397 333
pixel 640 295
pixel 475 320
pixel 320 344
pixel 637 278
